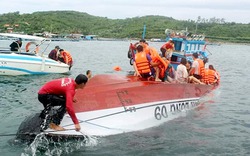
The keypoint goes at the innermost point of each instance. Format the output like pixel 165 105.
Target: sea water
pixel 220 126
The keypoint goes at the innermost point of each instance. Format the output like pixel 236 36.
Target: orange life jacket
pixel 142 63
pixel 163 67
pixel 201 69
pixel 157 59
pixel 67 57
pixel 209 76
pixel 146 48
pixel 153 53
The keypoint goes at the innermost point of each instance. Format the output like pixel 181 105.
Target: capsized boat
pixel 27 63
pixel 114 104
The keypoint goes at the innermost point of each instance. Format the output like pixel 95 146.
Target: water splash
pixel 42 145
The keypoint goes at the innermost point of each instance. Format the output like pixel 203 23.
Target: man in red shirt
pixel 167 49
pixel 59 92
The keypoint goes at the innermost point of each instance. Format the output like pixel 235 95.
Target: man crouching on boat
pixel 144 66
pixel 59 92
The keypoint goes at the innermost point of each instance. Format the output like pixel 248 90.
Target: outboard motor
pixel 29 128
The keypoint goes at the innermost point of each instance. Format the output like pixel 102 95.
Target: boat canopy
pixel 26 37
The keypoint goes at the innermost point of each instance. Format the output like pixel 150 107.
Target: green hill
pixel 66 22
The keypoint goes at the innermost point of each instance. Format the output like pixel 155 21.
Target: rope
pixel 1 135
pixel 12 134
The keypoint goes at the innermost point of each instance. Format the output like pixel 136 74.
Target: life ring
pixel 27 47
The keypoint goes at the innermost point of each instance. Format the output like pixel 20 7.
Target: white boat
pixel 27 63
pixel 115 104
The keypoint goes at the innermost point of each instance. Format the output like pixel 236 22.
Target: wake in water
pixel 48 146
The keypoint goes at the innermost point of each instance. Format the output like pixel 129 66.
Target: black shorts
pixel 163 52
pixel 197 76
pixel 54 100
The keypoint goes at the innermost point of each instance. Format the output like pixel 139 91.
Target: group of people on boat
pixel 56 54
pixel 61 55
pixel 149 64
pixel 58 92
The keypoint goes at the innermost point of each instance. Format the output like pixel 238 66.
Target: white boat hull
pixel 118 120
pixel 19 64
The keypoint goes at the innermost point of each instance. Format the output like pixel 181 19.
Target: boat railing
pixel 201 54
pixel 189 47
pixel 38 40
pixel 5 51
pixel 25 53
pixel 41 43
pixel 20 53
pixel 193 45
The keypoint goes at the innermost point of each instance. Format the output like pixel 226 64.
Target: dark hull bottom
pixel 30 128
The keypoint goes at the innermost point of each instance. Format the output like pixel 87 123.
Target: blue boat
pixel 185 47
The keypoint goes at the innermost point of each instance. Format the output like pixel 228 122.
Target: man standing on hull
pixel 60 92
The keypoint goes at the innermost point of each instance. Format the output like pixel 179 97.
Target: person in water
pixel 60 92
pixel 89 74
pixel 16 45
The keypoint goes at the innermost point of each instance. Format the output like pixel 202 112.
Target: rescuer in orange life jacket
pixel 211 75
pixel 65 57
pixel 143 64
pixel 198 68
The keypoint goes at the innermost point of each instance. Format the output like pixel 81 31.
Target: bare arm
pixel 136 70
pixel 191 72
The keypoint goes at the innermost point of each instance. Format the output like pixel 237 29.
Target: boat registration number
pixel 3 63
pixel 162 110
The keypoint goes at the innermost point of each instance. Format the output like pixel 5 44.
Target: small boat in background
pixel 185 46
pixel 29 63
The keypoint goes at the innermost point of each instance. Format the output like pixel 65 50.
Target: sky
pixel 231 10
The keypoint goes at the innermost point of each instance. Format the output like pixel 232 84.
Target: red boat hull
pixel 115 104
pixel 112 91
